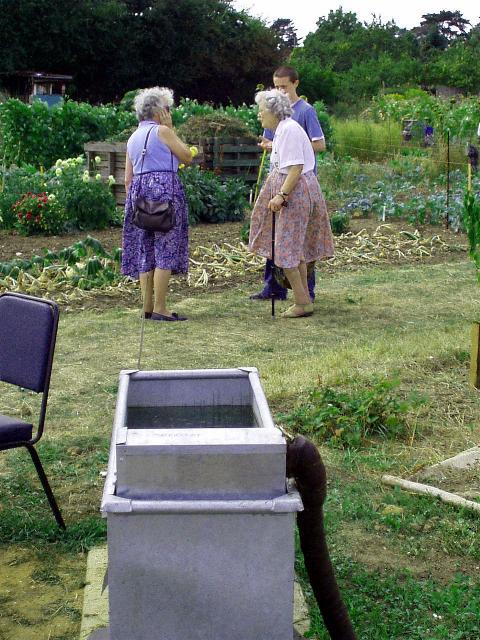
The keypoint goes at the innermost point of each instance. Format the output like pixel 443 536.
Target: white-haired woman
pixel 291 193
pixel 150 256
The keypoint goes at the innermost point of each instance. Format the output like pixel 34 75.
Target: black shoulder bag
pixel 153 215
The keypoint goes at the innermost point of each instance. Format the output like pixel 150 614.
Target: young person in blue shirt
pixel 286 79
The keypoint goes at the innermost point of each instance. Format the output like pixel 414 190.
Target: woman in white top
pixel 292 193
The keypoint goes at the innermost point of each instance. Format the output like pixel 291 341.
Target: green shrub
pixel 249 115
pixel 471 221
pixel 339 222
pixel 348 419
pixel 87 201
pixel 38 135
pixel 245 233
pixel 211 199
pixel 325 122
pixel 39 213
pixel 75 199
pixel 14 183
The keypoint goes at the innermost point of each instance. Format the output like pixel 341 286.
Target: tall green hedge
pixel 38 135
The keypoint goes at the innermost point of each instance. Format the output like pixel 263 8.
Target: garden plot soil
pixel 12 245
pixel 369 243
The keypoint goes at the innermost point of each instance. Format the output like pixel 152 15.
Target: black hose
pixel 305 465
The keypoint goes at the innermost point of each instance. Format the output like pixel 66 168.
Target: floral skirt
pixel 145 251
pixel 302 229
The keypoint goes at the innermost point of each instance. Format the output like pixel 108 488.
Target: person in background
pixel 151 256
pixel 291 193
pixel 428 134
pixel 286 79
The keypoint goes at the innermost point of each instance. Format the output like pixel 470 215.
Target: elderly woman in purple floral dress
pixel 292 194
pixel 153 256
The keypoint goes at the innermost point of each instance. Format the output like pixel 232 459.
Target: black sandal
pixel 173 318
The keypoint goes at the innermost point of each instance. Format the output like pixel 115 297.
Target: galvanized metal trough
pixel 200 522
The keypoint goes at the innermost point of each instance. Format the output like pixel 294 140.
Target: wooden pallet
pixel 227 157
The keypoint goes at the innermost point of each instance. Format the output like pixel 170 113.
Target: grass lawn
pixel 408 572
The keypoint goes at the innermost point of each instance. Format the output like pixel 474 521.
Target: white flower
pixel 58 163
pixel 98 177
pixel 97 159
pixel 51 196
pixel 86 177
pixel 79 160
pixel 111 180
pixel 58 172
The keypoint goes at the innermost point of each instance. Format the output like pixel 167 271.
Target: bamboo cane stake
pixel 259 177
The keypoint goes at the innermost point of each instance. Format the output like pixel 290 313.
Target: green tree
pixel 458 67
pixel 287 35
pixel 201 48
pixel 345 59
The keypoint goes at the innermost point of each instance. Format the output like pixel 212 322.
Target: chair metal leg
pixel 46 486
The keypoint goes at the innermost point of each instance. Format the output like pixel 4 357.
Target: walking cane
pixel 273 260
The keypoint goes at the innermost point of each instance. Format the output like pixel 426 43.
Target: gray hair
pixel 148 102
pixel 276 102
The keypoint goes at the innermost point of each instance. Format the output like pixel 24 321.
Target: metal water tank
pixel 200 522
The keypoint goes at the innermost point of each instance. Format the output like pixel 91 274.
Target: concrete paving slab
pixel 466 460
pixel 95 603
pixel 94 624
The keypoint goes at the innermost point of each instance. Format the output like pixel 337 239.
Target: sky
pixel 305 13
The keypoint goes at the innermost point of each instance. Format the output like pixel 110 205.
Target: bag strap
pixel 144 150
pixel 144 153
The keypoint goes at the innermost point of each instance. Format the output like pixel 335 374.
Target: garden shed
pixel 35 85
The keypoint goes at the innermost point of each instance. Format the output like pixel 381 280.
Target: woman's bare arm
pixel 292 177
pixel 319 145
pixel 173 142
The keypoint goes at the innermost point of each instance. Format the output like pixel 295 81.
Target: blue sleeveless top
pixel 158 156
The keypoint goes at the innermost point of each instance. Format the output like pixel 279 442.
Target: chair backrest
pixel 28 331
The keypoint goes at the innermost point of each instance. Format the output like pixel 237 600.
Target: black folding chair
pixel 28 331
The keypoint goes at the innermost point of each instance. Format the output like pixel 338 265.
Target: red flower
pixel 37 219
pixel 29 215
pixel 39 205
pixel 20 216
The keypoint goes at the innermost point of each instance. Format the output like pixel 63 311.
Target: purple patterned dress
pixel 145 251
